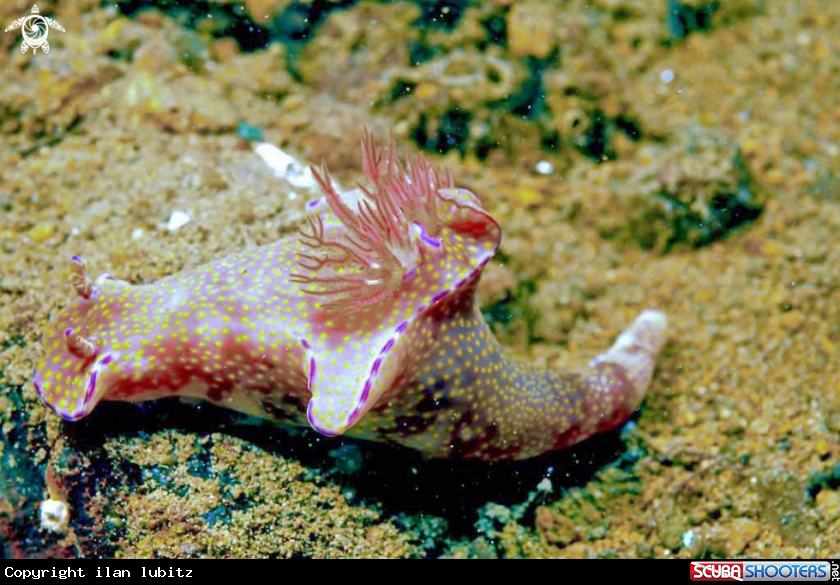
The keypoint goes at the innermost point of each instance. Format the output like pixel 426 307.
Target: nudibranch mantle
pixel 365 323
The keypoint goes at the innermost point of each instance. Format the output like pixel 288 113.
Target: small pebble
pixel 544 167
pixel 41 233
pixel 54 515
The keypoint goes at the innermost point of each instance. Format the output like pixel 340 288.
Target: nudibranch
pixel 364 323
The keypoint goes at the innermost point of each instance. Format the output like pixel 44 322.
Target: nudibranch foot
pixel 363 323
pixel 637 348
pixel 620 377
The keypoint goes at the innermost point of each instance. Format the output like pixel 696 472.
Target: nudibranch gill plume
pixel 363 323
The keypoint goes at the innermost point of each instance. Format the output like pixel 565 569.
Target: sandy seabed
pixel 694 171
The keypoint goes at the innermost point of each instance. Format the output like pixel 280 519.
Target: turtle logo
pixel 35 31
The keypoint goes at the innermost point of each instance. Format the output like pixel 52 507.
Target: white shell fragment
pixel 285 166
pixel 177 220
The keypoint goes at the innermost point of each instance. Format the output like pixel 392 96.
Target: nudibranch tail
pixel 620 377
pixel 636 350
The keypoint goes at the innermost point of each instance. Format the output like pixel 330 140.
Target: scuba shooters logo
pixel 35 30
pixel 765 571
pixel 703 571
